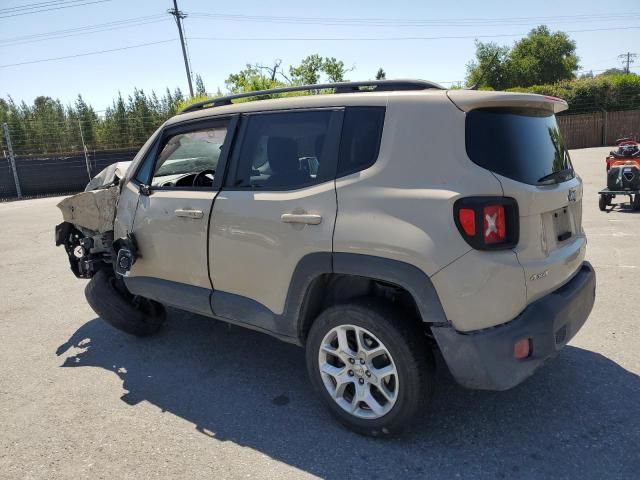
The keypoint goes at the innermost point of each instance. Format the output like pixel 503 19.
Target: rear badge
pixel 538 276
pixel 572 195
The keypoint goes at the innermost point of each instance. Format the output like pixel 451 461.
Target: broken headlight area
pixel 87 252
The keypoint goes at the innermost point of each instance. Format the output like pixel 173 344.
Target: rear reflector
pixel 522 349
pixel 467 217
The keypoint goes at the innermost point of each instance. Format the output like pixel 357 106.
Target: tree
pixel 88 119
pixel 308 72
pixel 201 91
pixel 381 75
pixel 334 69
pixel 250 79
pixel 542 57
pixel 490 68
pixel 612 71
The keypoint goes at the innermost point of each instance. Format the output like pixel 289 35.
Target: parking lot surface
pixel 79 399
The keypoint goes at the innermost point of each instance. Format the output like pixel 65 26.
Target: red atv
pixel 623 174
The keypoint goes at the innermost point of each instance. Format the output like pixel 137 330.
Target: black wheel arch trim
pixel 288 325
pixel 395 272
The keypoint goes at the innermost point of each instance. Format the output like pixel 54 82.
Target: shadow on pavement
pixel 578 417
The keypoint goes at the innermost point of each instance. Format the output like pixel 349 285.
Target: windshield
pixel 522 144
pixel 190 152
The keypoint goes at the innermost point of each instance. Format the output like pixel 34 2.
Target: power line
pixel 384 39
pixel 54 8
pixel 415 22
pixel 31 6
pixel 87 53
pixel 80 29
pixel 415 38
pixel 107 27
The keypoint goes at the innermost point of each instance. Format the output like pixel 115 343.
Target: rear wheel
pixel 636 201
pixel 603 202
pixel 110 299
pixel 371 366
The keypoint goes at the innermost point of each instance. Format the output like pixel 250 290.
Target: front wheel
pixel 110 299
pixel 371 365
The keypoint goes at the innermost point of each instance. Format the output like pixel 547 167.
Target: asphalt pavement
pixel 201 399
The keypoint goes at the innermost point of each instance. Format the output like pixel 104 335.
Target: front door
pixel 277 207
pixel 171 221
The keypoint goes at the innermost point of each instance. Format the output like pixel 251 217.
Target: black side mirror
pixel 145 189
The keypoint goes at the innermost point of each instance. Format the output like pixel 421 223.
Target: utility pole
pixel 179 16
pixel 627 58
pixel 84 147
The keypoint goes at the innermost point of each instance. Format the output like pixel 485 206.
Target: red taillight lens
pixel 467 217
pixel 495 227
pixel 488 223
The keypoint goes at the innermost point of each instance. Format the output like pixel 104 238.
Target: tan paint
pixel 127 204
pixel 94 210
pixel 254 252
pixel 173 247
pixel 401 209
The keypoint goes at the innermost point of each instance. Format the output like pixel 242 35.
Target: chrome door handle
pixel 195 214
pixel 306 218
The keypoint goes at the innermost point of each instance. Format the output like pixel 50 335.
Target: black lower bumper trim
pixel 484 359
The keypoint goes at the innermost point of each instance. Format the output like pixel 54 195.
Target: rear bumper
pixel 484 359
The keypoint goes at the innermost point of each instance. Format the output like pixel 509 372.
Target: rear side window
pixel 360 143
pixel 522 144
pixel 287 150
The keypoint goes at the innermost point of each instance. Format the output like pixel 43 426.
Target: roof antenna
pixel 476 85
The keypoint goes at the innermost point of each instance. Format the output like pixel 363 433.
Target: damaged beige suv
pixel 372 226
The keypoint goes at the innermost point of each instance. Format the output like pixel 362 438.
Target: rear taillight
pixel 487 223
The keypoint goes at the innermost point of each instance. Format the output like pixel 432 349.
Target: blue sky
pixel 154 67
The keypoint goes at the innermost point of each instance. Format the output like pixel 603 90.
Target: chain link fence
pixel 54 159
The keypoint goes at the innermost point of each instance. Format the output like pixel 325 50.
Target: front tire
pixel 132 314
pixel 371 365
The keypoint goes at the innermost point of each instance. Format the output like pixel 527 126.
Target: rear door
pixel 278 206
pixel 524 148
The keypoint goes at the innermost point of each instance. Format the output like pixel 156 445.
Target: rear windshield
pixel 522 144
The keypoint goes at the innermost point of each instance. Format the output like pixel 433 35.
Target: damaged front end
pixel 87 231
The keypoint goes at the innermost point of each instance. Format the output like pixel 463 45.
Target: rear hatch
pixel 516 137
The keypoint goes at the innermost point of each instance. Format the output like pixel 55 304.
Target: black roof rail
pixel 338 87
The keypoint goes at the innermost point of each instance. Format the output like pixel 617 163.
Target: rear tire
pixel 602 203
pixel 380 339
pixel 636 202
pixel 132 314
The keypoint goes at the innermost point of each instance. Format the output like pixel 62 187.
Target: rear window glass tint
pixel 522 144
pixel 361 134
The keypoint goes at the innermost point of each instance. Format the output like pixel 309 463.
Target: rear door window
pixel 522 144
pixel 287 150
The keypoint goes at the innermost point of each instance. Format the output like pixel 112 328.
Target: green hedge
pixel 615 92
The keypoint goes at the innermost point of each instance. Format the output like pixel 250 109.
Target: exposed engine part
pixel 86 254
